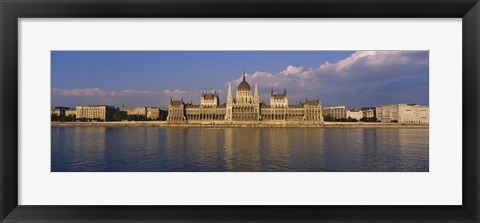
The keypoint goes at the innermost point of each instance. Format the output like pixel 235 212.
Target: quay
pixel 221 124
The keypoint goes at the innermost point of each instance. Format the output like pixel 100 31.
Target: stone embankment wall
pixel 243 124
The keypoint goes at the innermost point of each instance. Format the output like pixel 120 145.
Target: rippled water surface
pixel 154 149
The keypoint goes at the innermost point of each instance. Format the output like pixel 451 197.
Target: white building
pixel 153 113
pixel 71 112
pixel 337 112
pixel 403 113
pixel 369 112
pixel 139 110
pixel 98 112
pixel 355 114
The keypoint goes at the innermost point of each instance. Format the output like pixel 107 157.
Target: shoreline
pixel 243 125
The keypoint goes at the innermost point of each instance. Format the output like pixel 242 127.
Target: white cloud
pixel 174 92
pixel 131 92
pixel 292 77
pixel 361 66
pixel 91 92
pixel 97 92
pixel 377 65
pixel 186 95
pixel 292 70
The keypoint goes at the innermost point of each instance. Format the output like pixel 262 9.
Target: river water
pixel 174 149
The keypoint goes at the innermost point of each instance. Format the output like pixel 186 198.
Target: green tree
pixel 63 118
pixel 365 119
pixel 120 116
pixel 82 119
pixel 71 118
pixel 137 118
pixel 54 118
pixel 350 119
pixel 329 118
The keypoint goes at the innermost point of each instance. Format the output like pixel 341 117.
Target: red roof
pixel 209 96
pixel 243 86
pixel 313 102
pixel 279 96
pixel 176 103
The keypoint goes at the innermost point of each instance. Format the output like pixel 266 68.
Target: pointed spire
pixel 271 93
pixel 229 94
pixel 244 76
pixel 255 95
pixel 181 99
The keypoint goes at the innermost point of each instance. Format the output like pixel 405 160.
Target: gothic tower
pixel 256 101
pixel 228 115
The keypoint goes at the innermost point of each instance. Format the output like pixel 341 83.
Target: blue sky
pixel 150 78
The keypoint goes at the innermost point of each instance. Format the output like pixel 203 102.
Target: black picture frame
pixel 12 10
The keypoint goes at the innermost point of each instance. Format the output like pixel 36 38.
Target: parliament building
pixel 245 108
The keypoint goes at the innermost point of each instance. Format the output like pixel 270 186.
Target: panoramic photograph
pixel 240 111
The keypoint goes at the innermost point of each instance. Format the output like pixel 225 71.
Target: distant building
pixel 59 111
pixel 139 110
pixel 337 112
pixel 369 112
pixel 245 107
pixel 163 114
pixel 153 113
pixel 403 113
pixel 355 113
pixel 95 112
pixel 70 112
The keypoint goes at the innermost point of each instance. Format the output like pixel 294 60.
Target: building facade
pixel 176 111
pixel 95 112
pixel 59 111
pixel 139 110
pixel 149 113
pixel 70 112
pixel 244 107
pixel 153 113
pixel 403 113
pixel 355 113
pixel 369 112
pixel 336 112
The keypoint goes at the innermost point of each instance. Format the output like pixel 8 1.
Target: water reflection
pixel 150 149
pixel 84 148
pixel 228 146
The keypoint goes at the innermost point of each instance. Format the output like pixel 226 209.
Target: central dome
pixel 243 86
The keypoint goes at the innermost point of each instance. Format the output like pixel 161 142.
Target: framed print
pixel 239 111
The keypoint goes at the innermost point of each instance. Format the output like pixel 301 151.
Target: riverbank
pixel 259 125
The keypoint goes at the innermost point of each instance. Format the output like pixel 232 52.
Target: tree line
pixel 330 118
